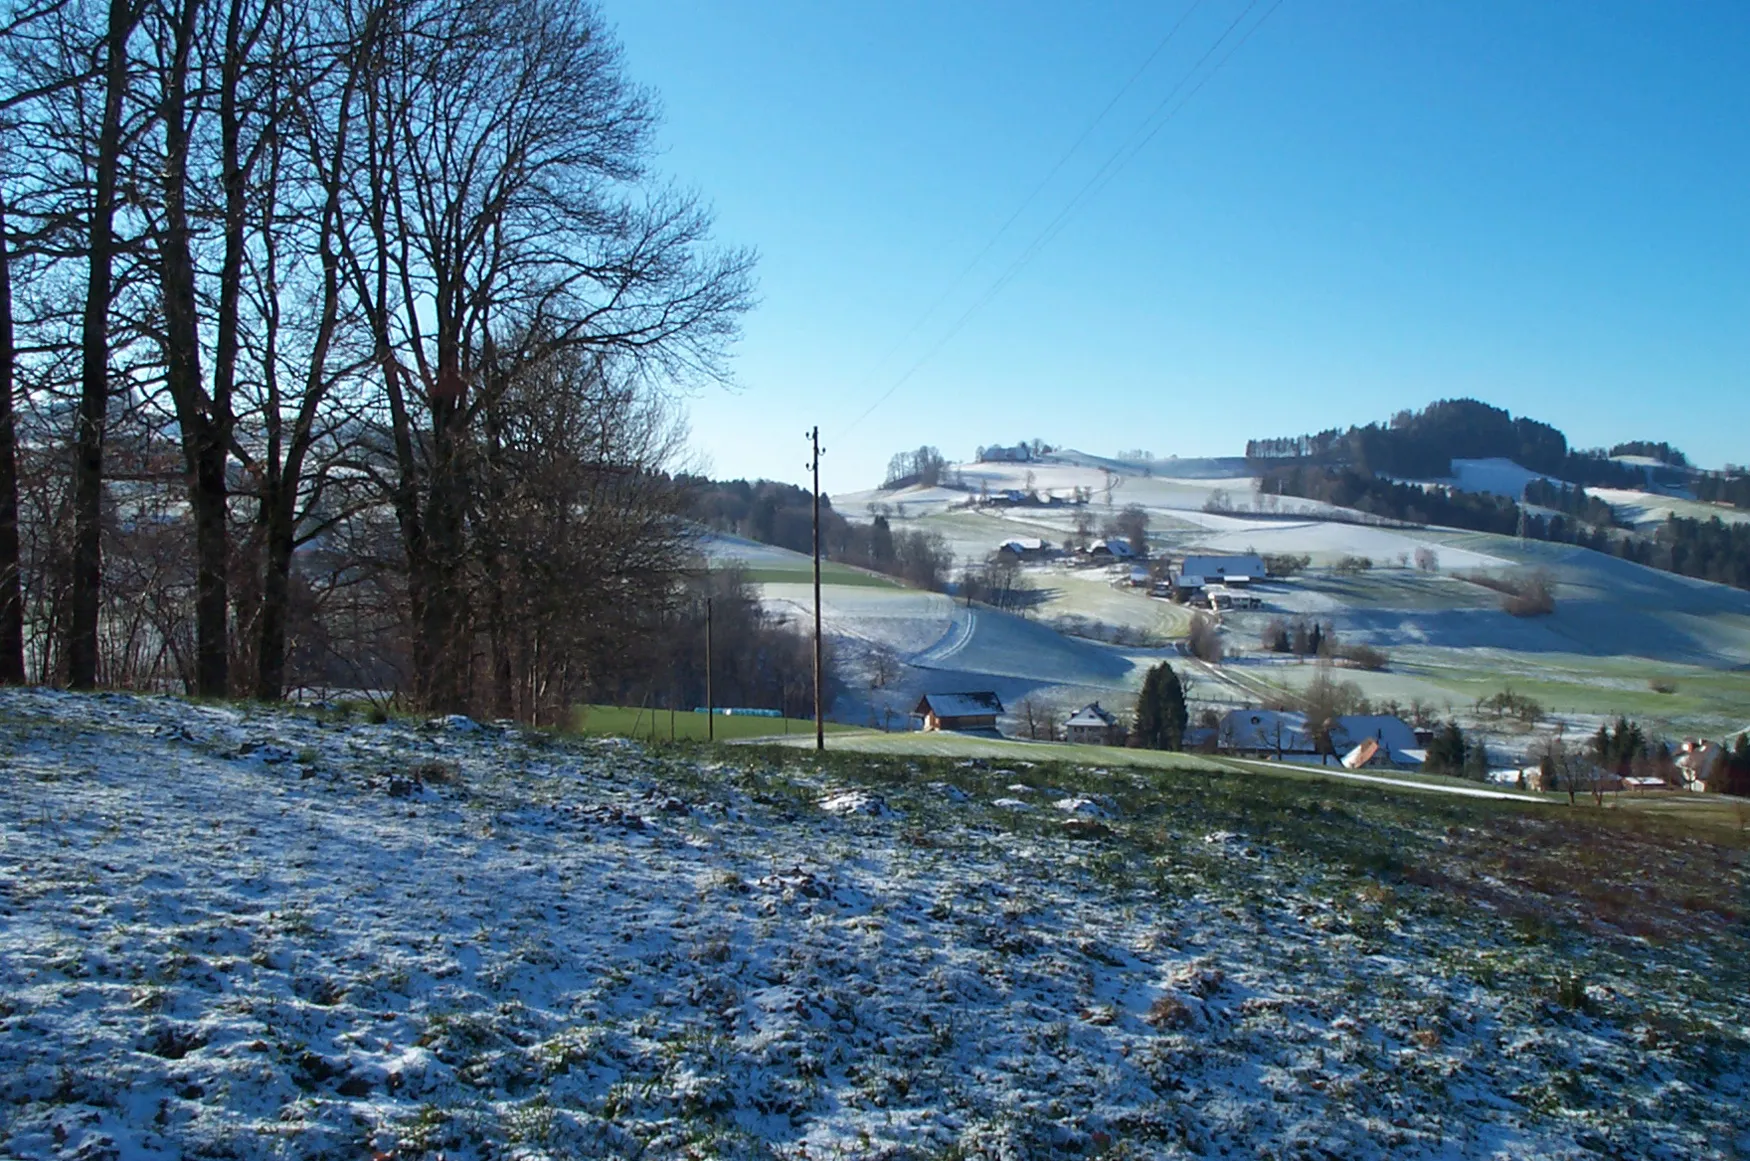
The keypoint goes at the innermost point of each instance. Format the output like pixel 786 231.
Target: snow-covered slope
pixel 235 932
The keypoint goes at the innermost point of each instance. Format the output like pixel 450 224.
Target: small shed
pixel 959 711
pixel 1093 725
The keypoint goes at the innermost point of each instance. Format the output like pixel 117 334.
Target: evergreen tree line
pixel 1422 445
pixel 338 345
pixel 1730 488
pixel 1575 502
pixel 1661 451
pixel 783 515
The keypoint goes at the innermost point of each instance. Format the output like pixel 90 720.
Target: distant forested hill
pixel 1422 445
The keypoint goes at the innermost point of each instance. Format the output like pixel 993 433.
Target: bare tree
pixel 494 234
pixel 11 595
pixel 87 562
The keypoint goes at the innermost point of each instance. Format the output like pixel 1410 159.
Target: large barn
pixel 1198 571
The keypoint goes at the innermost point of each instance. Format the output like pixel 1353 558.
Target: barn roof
pixel 960 705
pixel 1249 565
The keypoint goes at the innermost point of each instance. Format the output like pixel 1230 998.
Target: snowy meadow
pixel 249 932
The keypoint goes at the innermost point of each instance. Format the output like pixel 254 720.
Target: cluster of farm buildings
pixel 1355 741
pixel 1198 579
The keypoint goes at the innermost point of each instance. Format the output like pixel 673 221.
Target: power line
pixel 1114 164
pixel 1087 131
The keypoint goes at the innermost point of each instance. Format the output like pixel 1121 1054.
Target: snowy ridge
pixel 241 932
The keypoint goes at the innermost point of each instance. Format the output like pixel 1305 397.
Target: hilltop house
pixel 961 712
pixel 997 454
pixel 1094 726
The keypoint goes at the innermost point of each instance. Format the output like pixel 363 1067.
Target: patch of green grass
pixel 831 573
pixel 685 725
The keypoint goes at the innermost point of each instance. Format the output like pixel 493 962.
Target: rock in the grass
pixel 857 802
pixel 265 752
pixel 457 723
pixel 1085 807
pixel 1011 804
pixel 950 791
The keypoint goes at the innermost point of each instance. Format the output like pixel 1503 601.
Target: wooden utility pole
pixel 710 705
pixel 819 709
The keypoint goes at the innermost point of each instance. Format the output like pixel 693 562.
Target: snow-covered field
pixel 240 932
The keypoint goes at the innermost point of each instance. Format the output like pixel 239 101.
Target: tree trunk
pixel 277 504
pixel 94 364
pixel 11 596
pixel 205 424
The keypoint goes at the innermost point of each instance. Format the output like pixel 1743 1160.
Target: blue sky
pixel 1369 206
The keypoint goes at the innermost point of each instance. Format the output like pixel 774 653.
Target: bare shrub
pixel 1427 559
pixel 1364 656
pixel 1204 640
pixel 1522 596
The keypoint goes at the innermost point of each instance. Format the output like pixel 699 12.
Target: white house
pixel 1094 726
pixel 1696 761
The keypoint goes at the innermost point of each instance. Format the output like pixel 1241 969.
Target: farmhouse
pixel 1222 597
pixel 1394 742
pixel 1025 547
pixel 997 454
pixel 1197 571
pixel 959 711
pixel 1696 762
pixel 1108 550
pixel 1362 739
pixel 1093 726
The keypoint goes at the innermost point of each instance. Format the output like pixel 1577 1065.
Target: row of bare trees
pixel 339 341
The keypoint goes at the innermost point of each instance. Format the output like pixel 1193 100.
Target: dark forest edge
pixel 1352 470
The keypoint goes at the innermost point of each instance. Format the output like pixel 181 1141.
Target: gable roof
pixel 1247 565
pixel 959 705
pixel 1393 734
pixel 1022 544
pixel 1361 755
pixel 1115 547
pixel 1092 715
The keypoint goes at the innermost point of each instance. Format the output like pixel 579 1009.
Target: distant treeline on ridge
pixel 1423 444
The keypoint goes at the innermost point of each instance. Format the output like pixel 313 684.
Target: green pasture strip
pixel 831 573
pixel 685 725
